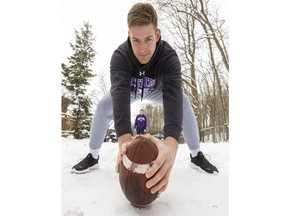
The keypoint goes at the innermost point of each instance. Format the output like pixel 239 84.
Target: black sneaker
pixel 85 165
pixel 200 162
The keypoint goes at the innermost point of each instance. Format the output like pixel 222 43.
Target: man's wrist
pixel 171 141
pixel 124 138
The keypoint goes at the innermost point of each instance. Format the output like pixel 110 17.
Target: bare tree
pixel 154 114
pixel 200 38
pixel 102 86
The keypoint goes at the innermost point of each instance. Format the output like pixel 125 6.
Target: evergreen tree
pixel 77 76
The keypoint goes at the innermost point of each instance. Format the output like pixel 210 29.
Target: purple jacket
pixel 140 122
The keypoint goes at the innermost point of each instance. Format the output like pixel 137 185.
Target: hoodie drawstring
pixel 135 91
pixel 142 93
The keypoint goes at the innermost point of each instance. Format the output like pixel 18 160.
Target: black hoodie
pixel 161 73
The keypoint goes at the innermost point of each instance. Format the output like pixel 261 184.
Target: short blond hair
pixel 142 14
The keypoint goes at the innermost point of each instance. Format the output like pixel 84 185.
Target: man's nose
pixel 142 47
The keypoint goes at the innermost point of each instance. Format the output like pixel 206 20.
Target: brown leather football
pixel 140 153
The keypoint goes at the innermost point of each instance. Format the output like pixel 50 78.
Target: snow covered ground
pixel 189 192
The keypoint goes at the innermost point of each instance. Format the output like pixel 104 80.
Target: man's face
pixel 143 40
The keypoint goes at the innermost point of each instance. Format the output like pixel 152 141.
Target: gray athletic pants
pixel 104 114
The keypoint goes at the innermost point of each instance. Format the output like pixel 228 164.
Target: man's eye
pixel 148 40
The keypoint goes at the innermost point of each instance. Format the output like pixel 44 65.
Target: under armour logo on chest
pixel 142 73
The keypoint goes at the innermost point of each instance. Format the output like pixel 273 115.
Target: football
pixel 140 154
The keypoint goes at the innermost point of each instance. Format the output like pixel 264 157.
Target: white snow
pixel 189 192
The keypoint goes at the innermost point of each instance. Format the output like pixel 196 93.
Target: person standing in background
pixel 140 123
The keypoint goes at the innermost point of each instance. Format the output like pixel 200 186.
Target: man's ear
pixel 158 34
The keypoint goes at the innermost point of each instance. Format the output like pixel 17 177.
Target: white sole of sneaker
pixel 96 166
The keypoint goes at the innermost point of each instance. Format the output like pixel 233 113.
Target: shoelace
pixel 206 157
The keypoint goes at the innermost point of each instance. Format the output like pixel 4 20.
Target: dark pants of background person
pixel 140 131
